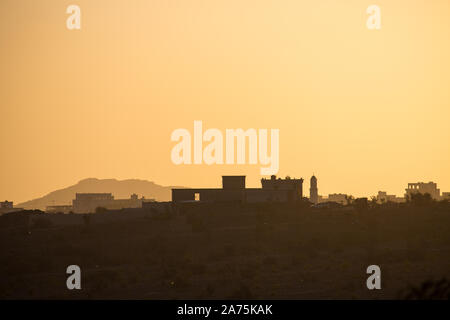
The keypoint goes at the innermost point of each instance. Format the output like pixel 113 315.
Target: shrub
pixel 429 290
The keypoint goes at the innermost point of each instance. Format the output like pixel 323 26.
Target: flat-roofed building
pixel 383 197
pixel 6 205
pixel 234 190
pixel 338 198
pixel 445 196
pixel 89 202
pixel 422 187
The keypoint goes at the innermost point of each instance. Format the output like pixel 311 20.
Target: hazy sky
pixel 365 110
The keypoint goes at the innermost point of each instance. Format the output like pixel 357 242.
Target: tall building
pixel 313 191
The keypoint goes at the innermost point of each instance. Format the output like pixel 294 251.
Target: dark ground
pixel 221 252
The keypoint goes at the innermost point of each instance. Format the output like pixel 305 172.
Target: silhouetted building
pixel 283 184
pixel 445 196
pixel 313 191
pixel 338 198
pixel 383 197
pixel 421 187
pixel 6 205
pixel 234 190
pixel 89 202
pixel 233 182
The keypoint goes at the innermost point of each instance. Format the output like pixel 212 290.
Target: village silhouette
pixel 234 190
pixel 232 242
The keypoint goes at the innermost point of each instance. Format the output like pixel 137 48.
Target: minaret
pixel 313 192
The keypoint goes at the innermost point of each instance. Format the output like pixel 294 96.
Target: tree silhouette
pixel 420 199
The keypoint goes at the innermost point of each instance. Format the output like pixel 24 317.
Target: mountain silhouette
pixel 121 189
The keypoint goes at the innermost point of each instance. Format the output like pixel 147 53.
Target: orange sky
pixel 365 110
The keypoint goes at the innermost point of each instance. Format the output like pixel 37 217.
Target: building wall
pixel 233 182
pixel 88 202
pixel 124 203
pixel 208 195
pixel 269 195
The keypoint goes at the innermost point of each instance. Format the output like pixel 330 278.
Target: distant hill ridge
pixel 121 189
